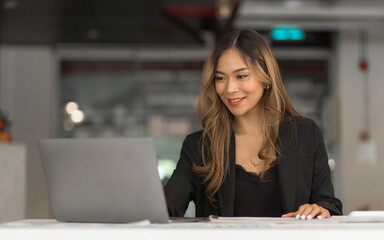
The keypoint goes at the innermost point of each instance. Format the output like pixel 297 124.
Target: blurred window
pixel 120 99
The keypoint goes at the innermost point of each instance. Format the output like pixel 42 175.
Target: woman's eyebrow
pixel 235 71
pixel 240 69
pixel 220 72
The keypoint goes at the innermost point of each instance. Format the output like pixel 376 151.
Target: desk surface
pixel 333 228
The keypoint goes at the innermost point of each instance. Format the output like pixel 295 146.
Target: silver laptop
pixel 110 180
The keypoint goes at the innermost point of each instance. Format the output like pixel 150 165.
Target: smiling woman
pixel 256 155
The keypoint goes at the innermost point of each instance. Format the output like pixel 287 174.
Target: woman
pixel 256 156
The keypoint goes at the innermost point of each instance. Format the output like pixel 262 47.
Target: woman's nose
pixel 232 86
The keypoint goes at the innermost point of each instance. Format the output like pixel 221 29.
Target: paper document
pixel 268 220
pixel 365 216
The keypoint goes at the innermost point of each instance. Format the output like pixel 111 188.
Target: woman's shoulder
pixel 303 126
pixel 191 149
pixel 194 136
pixel 192 140
pixel 297 121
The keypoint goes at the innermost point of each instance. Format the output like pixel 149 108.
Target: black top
pixel 255 197
pixel 302 171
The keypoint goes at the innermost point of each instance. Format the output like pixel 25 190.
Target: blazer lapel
pixel 226 193
pixel 286 168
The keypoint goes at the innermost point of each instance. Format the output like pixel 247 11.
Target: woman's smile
pixel 235 101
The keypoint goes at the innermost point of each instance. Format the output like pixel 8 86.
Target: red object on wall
pixel 363 65
pixel 191 11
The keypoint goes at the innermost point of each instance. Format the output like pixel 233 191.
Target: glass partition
pixel 120 99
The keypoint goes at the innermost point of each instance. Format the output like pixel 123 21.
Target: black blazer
pixel 303 174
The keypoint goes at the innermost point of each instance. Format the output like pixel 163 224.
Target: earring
pixel 266 87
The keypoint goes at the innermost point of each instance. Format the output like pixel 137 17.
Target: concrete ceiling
pixel 314 15
pixel 110 22
pixel 172 22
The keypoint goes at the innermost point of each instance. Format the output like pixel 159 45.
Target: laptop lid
pixel 111 180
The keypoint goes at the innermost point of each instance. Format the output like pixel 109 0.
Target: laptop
pixel 106 180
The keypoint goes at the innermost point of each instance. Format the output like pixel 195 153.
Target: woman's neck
pixel 249 124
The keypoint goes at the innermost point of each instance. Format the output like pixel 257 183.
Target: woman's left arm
pixel 323 202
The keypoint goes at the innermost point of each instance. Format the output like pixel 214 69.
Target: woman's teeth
pixel 236 100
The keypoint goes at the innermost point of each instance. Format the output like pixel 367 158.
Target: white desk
pixel 311 229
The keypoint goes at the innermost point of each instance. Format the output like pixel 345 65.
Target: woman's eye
pixel 242 76
pixel 218 78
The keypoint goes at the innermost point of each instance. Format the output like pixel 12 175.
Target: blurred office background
pixel 81 68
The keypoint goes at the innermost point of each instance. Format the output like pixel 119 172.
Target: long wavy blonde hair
pixel 217 120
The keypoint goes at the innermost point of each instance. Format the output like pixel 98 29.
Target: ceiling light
pixel 77 116
pixel 70 107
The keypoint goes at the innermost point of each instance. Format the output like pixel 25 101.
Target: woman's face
pixel 237 86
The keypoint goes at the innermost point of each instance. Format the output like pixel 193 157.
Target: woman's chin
pixel 237 113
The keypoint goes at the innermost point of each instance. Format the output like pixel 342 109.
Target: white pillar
pixel 28 95
pixel 361 183
pixel 12 182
